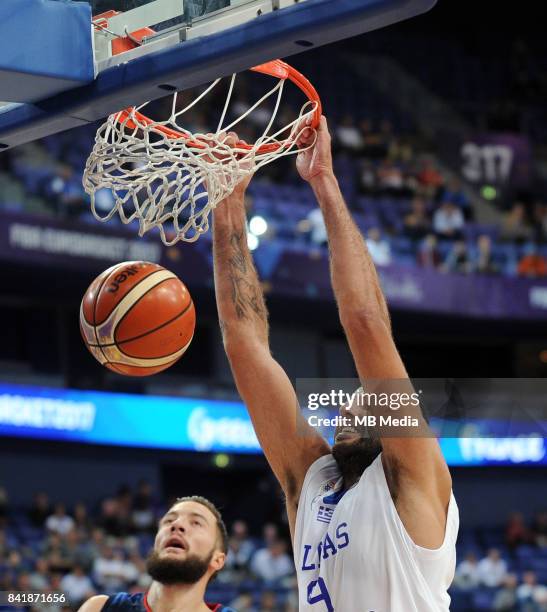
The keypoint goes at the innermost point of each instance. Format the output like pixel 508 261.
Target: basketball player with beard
pixel 189 549
pixel 373 519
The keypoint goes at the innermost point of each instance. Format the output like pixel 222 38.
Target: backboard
pixel 81 78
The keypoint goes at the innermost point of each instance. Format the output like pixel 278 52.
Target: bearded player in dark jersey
pixel 189 549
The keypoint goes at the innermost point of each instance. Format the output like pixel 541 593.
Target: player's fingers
pixel 305 138
pixel 230 139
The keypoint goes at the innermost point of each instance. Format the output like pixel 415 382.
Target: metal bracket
pixel 280 4
pixel 145 16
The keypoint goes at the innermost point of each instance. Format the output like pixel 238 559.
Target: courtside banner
pixel 125 420
pixel 194 424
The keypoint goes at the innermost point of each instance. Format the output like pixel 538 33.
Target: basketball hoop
pixel 162 175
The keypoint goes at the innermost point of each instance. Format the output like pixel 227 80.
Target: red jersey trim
pixel 213 607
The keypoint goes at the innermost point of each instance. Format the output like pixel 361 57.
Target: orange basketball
pixel 137 318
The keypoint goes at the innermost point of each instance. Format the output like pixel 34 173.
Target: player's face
pixel 186 547
pixel 187 528
pixel 355 446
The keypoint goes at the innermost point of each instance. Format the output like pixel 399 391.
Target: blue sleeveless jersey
pixel 124 602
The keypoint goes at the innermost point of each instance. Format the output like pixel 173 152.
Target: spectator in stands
pixel 379 249
pixel 492 569
pixel 374 146
pixel 60 522
pixel 13 561
pixel 23 581
pixel 448 221
pixel 270 533
pixel 516 531
pixel 240 534
pixel 82 522
pixel 113 519
pixel 55 551
pixel 77 586
pixel 532 264
pixel 243 602
pixel 416 224
pixel 75 549
pixel 268 602
pixel 483 258
pixel 109 571
pixel 93 546
pixel 348 136
pixel 367 178
pixel 453 192
pixel 124 499
pixel 65 191
pixel 240 551
pixel 429 177
pixel 531 596
pixel 506 598
pixel 391 181
pixel 318 231
pixel 466 577
pixel 143 578
pixel 39 577
pixel 142 515
pixel 539 530
pixel 457 259
pixel 40 509
pixel 272 564
pixel 515 226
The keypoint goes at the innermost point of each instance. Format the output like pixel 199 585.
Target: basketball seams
pixel 119 343
pixel 106 276
pixel 173 356
pixel 184 346
pixel 126 313
pixel 115 306
pixel 107 329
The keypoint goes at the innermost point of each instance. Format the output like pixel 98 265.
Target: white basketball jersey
pixel 353 554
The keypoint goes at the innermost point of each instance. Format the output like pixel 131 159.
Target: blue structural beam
pixel 278 34
pixel 45 48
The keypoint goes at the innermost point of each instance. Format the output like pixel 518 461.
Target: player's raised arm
pixel 422 479
pixel 289 443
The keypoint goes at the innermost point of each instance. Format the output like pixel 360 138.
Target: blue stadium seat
pixel 483 599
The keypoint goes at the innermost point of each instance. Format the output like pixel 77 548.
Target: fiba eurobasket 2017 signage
pixel 497 159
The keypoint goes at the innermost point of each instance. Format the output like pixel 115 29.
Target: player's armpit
pixel 290 444
pixel 94 604
pixel 420 486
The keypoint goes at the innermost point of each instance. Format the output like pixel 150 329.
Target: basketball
pixel 137 318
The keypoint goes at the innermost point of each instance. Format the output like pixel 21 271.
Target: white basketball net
pixel 173 182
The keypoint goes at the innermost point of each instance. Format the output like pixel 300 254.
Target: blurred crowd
pixel 83 551
pixel 509 577
pixel 410 212
pixel 408 206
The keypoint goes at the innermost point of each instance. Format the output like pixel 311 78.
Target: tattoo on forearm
pixel 246 294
